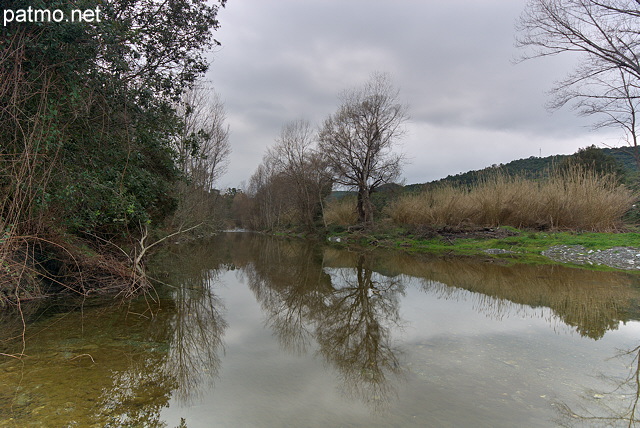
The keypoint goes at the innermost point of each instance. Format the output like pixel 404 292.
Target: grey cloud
pixel 282 60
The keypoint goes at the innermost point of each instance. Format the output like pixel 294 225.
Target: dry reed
pixel 576 199
pixel 341 212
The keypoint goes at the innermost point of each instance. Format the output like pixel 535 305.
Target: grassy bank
pixel 519 216
pixel 522 245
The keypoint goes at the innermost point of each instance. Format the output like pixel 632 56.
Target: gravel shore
pixel 627 258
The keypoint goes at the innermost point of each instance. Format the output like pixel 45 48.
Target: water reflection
pixel 185 331
pixel 118 366
pixel 113 365
pixel 618 405
pixel 347 313
pixel 288 282
pixel 346 304
pixel 590 301
pixel 196 328
pixel 354 331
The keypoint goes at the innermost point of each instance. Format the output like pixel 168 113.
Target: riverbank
pixel 593 250
pixel 78 270
pixel 55 263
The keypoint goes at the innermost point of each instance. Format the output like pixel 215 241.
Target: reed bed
pixel 341 212
pixel 576 199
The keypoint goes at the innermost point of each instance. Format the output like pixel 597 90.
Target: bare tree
pixel 295 158
pixel 358 140
pixel 616 102
pixel 288 187
pixel 203 148
pixel 266 195
pixel 203 151
pixel 606 34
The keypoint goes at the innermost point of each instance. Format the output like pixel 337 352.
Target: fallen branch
pixel 84 355
pixel 16 356
pixel 145 234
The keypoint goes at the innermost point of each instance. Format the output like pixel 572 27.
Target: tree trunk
pixel 365 207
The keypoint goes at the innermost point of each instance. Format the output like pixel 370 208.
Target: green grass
pixel 527 245
pixel 537 242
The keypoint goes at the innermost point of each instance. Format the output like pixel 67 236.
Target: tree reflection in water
pixel 592 302
pixel 354 327
pixel 197 328
pixel 288 282
pixel 349 312
pixel 618 406
pixel 190 338
pixel 93 366
pixel 343 304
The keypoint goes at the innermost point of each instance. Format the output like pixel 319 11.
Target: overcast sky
pixel 471 106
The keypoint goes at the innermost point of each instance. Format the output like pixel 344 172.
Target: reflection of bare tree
pixel 353 331
pixel 196 331
pixel 288 281
pixel 176 359
pixel 185 339
pixel 616 407
pixel 288 320
pixel 336 298
pixel 115 365
pixel 349 313
pixel 196 326
pixel 137 394
pixel 592 302
pixel 101 359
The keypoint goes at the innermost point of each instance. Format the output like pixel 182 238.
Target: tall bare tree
pixel 268 196
pixel 296 159
pixel 203 148
pixel 606 35
pixel 203 151
pixel 358 140
pixel 288 187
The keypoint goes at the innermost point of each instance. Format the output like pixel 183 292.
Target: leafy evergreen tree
pixel 87 122
pixel 593 158
pixel 87 115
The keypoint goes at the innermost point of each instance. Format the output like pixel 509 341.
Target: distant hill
pixel 624 156
pixel 531 167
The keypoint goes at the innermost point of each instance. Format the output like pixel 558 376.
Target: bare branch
pixel 358 140
pixel 606 36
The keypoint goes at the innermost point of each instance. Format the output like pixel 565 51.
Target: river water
pixel 252 331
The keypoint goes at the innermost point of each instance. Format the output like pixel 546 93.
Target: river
pixel 246 330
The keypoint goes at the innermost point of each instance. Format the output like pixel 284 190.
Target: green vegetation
pixel 580 202
pixel 88 134
pixel 522 245
pixel 576 204
pixel 537 167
